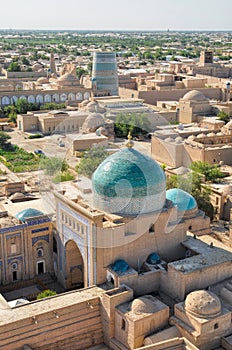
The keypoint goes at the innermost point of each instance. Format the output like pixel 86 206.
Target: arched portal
pixel 74 266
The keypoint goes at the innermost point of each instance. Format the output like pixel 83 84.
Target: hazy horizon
pixel 108 15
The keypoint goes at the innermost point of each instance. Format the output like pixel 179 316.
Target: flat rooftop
pixel 39 307
pixel 207 256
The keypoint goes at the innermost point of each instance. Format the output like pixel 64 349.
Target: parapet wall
pixel 60 322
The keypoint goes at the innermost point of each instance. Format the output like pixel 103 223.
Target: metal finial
pixel 130 143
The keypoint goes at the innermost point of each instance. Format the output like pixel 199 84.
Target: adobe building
pixel 193 106
pixel 129 236
pixel 26 242
pixel 159 286
pixel 61 121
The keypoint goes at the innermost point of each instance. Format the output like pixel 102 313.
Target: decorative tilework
pixel 13 235
pixel 20 258
pixel 40 238
pixel 40 229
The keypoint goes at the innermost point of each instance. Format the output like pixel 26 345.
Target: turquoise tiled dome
pixel 182 199
pixel 28 213
pixel 128 183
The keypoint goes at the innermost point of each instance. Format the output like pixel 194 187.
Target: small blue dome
pixel 182 199
pixel 120 266
pixel 153 259
pixel 28 213
pixel 128 183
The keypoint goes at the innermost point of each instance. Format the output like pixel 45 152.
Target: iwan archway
pixel 74 266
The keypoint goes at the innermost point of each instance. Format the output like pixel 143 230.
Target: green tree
pixel 192 183
pixel 4 140
pixel 53 165
pixel 45 294
pixel 211 172
pixel 223 116
pixel 22 106
pixel 14 67
pixel 25 61
pixel 11 112
pixel 136 123
pixel 81 71
pixel 91 160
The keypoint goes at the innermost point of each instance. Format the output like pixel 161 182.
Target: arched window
pixel 40 252
pixel 14 266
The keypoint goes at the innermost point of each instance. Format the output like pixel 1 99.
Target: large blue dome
pixel 128 183
pixel 28 213
pixel 182 199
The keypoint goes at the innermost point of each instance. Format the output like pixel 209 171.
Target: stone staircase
pixel 47 281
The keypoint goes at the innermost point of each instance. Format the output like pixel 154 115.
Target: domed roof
pixel 182 199
pixel 200 135
pixel 143 305
pixel 211 134
pixel 67 76
pixel 28 213
pixel 42 80
pixel 191 137
pixel 194 95
pixel 169 139
pixel 120 266
pixel 153 259
pixel 129 182
pixel 68 79
pixel 93 121
pixel 229 125
pixel 92 106
pixel 203 304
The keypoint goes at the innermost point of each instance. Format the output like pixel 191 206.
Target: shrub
pixel 45 294
pixel 35 136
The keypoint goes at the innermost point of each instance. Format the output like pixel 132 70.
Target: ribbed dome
pixel 128 183
pixel 194 95
pixel 203 304
pixel 28 213
pixel 143 305
pixel 182 199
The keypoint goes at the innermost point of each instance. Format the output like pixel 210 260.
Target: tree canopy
pixel 91 160
pixel 223 116
pixel 14 67
pixel 211 172
pixel 4 140
pixel 136 123
pixel 53 165
pixel 192 183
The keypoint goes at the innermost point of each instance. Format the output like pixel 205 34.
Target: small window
pixel 123 324
pixel 40 252
pixel 190 227
pixel 14 266
pixel 152 229
pixel 216 326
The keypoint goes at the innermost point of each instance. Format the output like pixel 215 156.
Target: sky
pixel 116 15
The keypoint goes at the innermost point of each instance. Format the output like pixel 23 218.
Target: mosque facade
pixel 158 285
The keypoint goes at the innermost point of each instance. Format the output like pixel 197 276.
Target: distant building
pixel 104 72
